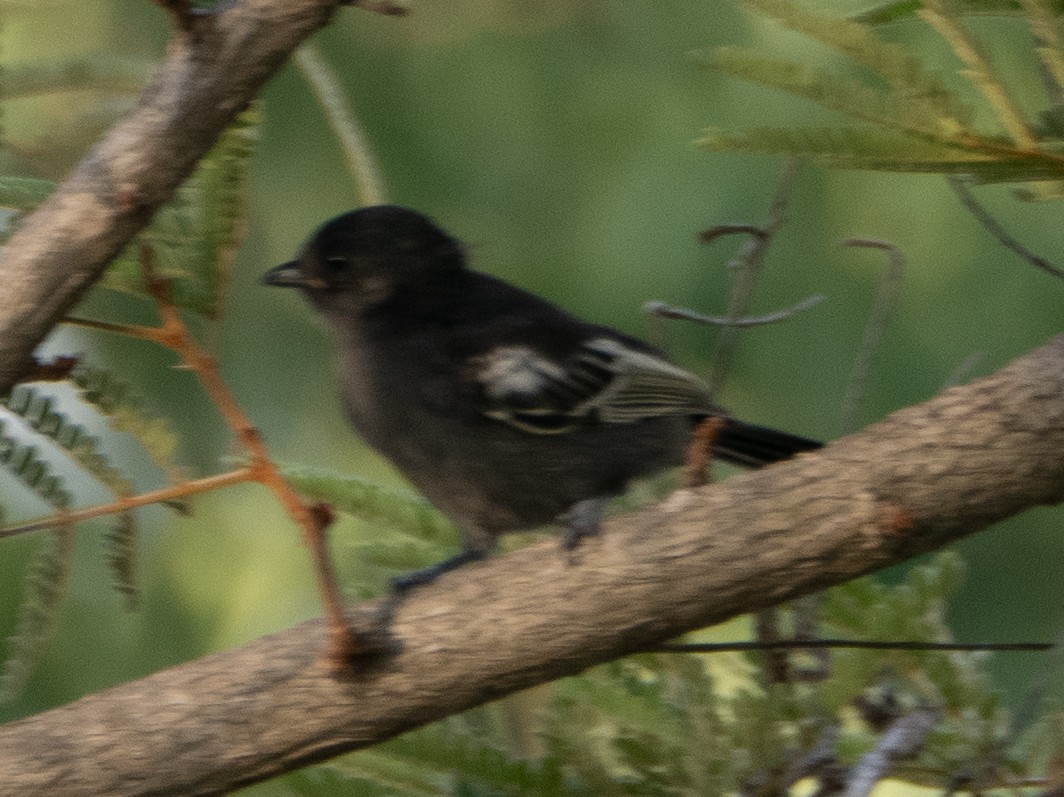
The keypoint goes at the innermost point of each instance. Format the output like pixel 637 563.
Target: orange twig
pixel 174 335
pixel 700 452
pixel 125 503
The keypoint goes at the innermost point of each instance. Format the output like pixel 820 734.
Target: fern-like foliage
pixel 22 461
pixel 416 533
pixel 911 120
pixel 46 583
pixel 39 412
pixel 194 235
pixel 397 509
pixel 113 398
pixel 122 543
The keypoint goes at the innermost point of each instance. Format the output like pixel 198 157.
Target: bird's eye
pixel 336 263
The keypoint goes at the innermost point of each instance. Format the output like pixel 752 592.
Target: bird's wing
pixel 603 379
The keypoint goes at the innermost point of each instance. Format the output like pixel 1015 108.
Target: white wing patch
pixel 603 379
pixel 516 371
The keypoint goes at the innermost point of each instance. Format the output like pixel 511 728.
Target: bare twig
pixel 125 503
pixel 889 288
pixel 902 740
pixel 766 626
pixel 342 119
pixel 992 226
pixel 174 335
pixel 746 266
pixel 662 310
pixel 806 624
pixel 860 644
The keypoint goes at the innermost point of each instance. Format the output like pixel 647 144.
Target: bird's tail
pixel 752 446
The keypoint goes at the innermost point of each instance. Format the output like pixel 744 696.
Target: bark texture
pixel 921 478
pixel 215 65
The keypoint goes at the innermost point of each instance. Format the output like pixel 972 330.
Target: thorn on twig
pixel 55 370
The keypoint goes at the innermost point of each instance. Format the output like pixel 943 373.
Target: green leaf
pixel 906 110
pixel 888 150
pixel 393 508
pixel 113 398
pixel 46 583
pixel 122 545
pixel 23 462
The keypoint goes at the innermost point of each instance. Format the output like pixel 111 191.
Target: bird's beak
pixel 286 275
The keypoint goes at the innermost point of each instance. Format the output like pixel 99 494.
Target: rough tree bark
pixel 215 65
pixel 921 478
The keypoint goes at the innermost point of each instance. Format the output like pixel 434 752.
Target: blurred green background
pixel 556 140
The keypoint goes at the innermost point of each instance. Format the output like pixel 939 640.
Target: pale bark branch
pixel 214 67
pixel 918 480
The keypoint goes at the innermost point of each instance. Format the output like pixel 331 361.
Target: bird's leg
pixel 582 519
pixel 426 575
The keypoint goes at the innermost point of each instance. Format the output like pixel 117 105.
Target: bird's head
pixel 361 259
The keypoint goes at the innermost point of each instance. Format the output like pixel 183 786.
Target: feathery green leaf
pixel 46 583
pixel 392 508
pixel 122 545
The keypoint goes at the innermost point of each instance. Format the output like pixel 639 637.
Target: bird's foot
pixel 583 519
pixel 426 575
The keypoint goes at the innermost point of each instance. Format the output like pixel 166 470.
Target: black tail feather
pixel 752 446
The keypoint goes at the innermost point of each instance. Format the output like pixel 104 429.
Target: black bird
pixel 505 411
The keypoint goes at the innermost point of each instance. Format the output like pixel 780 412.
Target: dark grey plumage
pixel 505 411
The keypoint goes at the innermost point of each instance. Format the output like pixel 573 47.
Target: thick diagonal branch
pixel 213 69
pixel 918 480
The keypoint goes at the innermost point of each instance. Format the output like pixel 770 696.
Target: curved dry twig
pixel 994 227
pixel 889 287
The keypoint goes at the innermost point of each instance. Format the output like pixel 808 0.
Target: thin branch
pixel 776 669
pixel 126 503
pixel 902 740
pixel 357 152
pixel 662 310
pixel 856 644
pixel 993 227
pixel 889 287
pixel 746 266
